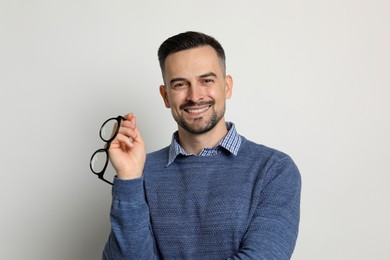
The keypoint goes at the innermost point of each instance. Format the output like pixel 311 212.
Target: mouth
pixel 197 110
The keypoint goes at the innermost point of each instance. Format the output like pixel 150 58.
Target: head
pixel 195 82
pixel 189 40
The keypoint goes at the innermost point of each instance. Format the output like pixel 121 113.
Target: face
pixel 196 89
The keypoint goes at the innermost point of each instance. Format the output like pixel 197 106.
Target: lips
pixel 196 111
pixel 192 107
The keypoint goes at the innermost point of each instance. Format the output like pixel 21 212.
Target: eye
pixel 207 81
pixel 179 85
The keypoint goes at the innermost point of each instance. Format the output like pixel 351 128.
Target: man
pixel 211 194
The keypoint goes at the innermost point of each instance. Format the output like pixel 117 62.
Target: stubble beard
pixel 200 125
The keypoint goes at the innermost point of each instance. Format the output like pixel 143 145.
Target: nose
pixel 195 93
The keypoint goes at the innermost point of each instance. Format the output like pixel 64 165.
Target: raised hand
pixel 127 151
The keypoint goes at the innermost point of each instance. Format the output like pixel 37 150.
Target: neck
pixel 195 143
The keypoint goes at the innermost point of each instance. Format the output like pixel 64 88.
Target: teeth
pixel 197 110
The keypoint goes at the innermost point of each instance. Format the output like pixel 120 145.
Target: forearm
pixel 131 236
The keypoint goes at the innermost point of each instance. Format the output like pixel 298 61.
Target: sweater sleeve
pixel 131 236
pixel 273 231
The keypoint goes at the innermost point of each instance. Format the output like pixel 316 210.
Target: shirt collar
pixel 231 142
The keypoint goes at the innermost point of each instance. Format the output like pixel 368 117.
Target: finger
pixel 129 128
pixel 124 141
pixel 128 116
pixel 128 123
pixel 138 137
pixel 127 131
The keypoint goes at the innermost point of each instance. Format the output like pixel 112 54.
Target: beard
pixel 200 125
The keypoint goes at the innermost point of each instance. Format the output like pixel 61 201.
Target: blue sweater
pixel 215 207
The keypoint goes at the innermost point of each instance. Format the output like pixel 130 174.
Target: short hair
pixel 189 40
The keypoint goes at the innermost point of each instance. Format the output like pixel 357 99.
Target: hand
pixel 127 151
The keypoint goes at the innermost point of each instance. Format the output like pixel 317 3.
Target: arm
pixel 273 231
pixel 130 236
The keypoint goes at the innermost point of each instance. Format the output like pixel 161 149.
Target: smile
pixel 196 111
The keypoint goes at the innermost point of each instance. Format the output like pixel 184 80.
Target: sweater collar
pixel 231 142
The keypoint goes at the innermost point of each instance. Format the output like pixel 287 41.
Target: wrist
pixel 129 175
pixel 124 176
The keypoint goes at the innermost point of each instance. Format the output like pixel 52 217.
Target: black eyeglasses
pixel 100 158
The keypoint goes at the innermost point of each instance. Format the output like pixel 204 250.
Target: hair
pixel 189 40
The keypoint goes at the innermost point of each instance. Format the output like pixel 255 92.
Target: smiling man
pixel 210 194
pixel 195 91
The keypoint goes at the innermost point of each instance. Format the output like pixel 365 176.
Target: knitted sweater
pixel 214 207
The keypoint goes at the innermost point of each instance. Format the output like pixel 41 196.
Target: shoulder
pixel 159 155
pixel 270 159
pixel 156 161
pixel 250 148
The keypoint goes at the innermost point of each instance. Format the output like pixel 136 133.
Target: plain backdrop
pixel 311 78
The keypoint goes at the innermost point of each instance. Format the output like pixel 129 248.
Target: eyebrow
pixel 176 79
pixel 206 75
pixel 210 74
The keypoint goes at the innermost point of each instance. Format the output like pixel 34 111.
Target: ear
pixel 164 95
pixel 228 86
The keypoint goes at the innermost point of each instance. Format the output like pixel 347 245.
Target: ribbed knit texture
pixel 214 207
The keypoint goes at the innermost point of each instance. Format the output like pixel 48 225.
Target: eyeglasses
pixel 99 159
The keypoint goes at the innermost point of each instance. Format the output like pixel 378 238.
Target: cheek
pixel 177 98
pixel 217 94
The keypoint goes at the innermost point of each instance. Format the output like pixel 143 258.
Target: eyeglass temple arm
pixel 101 177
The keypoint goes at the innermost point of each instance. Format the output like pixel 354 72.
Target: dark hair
pixel 189 40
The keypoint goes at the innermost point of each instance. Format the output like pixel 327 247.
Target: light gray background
pixel 311 78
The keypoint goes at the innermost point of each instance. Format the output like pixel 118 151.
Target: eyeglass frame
pixel 100 174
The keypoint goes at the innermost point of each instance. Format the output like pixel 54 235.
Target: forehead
pixel 196 60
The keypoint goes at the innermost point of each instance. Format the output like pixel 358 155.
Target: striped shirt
pixel 231 143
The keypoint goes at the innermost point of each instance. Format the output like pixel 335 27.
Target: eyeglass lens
pixel 99 161
pixel 109 129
